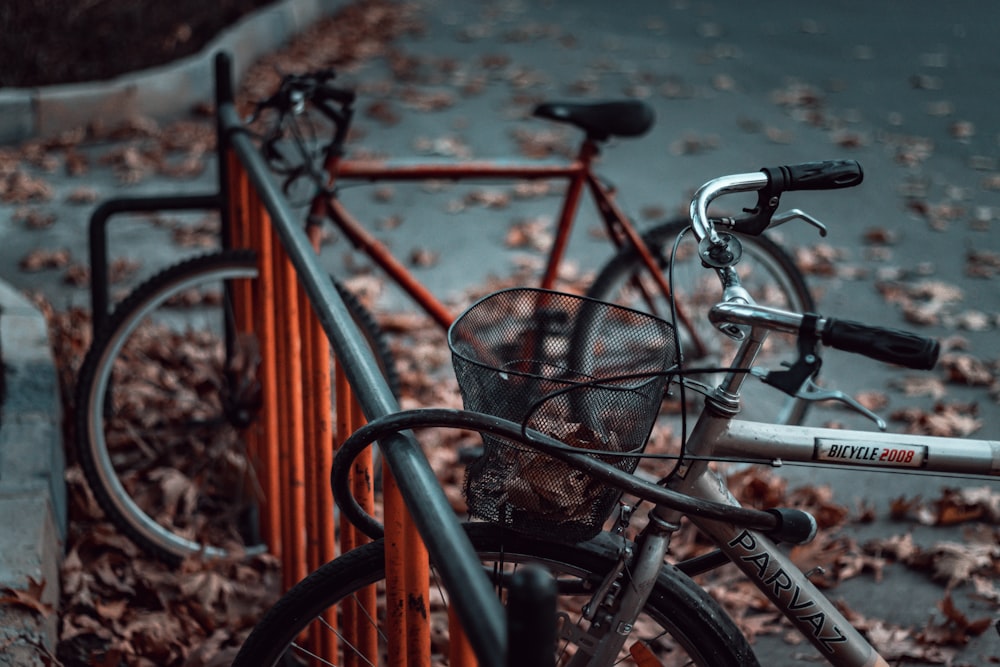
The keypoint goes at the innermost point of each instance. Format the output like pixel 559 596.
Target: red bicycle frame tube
pixel 577 173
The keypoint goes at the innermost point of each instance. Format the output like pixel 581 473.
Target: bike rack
pixel 257 207
pixel 98 238
pixel 298 316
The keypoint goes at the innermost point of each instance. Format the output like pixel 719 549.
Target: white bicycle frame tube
pixel 872 450
pixel 758 556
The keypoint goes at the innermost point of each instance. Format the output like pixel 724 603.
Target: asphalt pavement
pixel 907 89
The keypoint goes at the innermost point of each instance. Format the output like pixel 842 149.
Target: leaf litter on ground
pixel 132 610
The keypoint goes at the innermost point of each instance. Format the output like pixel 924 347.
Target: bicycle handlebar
pixel 295 93
pixel 314 87
pixel 882 343
pixel 770 182
pixel 875 342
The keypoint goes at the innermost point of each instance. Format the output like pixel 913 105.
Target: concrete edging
pixel 159 93
pixel 32 490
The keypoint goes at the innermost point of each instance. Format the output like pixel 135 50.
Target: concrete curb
pixel 32 491
pixel 160 93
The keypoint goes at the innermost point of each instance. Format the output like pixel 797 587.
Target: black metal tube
pixel 223 95
pixel 531 618
pixel 449 548
pixel 98 238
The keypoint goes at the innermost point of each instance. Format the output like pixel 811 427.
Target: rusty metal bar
pixel 395 577
pixel 416 573
pixel 265 327
pixel 459 650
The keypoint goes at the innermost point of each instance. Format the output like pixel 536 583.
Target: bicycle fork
pixel 612 611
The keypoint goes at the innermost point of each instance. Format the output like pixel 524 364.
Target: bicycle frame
pixel 577 173
pixel 717 435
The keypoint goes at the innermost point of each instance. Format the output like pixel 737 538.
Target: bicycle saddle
pixel 601 120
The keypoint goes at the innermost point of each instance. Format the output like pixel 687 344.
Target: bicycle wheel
pixel 680 625
pixel 161 403
pixel 767 272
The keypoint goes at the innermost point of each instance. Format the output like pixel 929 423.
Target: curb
pixel 160 93
pixel 32 491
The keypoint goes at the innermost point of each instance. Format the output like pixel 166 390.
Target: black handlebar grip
pixel 827 175
pixel 881 343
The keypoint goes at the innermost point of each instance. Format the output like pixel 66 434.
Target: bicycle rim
pixel 155 443
pixel 164 407
pixel 768 274
pixel 312 624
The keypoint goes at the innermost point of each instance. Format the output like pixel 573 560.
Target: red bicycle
pixel 195 392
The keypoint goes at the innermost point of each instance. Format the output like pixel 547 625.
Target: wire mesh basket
pixel 555 362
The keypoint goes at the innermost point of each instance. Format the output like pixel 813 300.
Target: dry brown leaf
pixel 29 598
pixel 498 199
pixel 424 257
pixel 42 259
pixel 920 385
pixel 881 236
pixel 19 187
pixel 946 420
pixel 82 195
pixel 820 260
pixel 873 400
pixel 534 233
pixel 34 218
pixel 967 369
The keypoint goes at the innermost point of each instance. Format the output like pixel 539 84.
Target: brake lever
pixel 797 380
pixel 797 214
pixel 810 391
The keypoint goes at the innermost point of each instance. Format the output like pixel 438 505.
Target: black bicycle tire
pixel 201 269
pixel 657 238
pixel 705 624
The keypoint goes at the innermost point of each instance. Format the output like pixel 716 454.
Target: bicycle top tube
pixel 402 169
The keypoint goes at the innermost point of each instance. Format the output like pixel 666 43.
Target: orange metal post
pixel 264 325
pixel 240 295
pixel 345 426
pixel 318 433
pixel 280 349
pixel 362 488
pixel 460 652
pixel 407 582
pixel 309 425
pixel 290 443
pixel 295 512
pixel 395 579
pixel 323 441
pixel 417 573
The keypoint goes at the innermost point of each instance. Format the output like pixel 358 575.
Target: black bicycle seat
pixel 601 120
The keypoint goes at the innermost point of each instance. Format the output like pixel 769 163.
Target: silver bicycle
pixel 556 384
